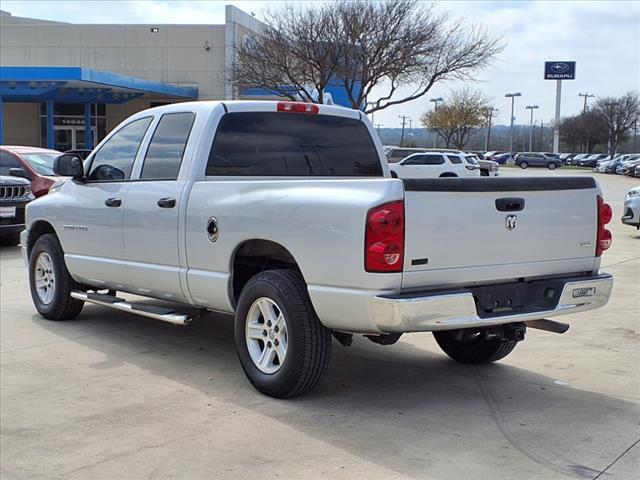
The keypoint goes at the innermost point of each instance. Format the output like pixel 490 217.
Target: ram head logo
pixel 511 221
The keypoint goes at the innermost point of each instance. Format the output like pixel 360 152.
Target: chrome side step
pixel 152 311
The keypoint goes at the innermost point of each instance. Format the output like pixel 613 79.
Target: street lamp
pixel 532 108
pixel 489 111
pixel 435 101
pixel 512 96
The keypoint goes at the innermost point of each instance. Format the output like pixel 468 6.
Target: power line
pixel 586 95
pixel 404 119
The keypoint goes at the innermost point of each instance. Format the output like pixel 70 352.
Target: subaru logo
pixel 559 68
pixel 510 222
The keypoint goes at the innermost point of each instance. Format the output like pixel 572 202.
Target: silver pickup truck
pixel 286 215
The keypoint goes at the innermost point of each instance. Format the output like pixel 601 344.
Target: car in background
pixel 574 159
pixel 534 159
pixel 636 171
pixel 395 154
pixel 631 209
pixel 591 161
pixel 501 158
pixel 32 163
pixel 15 193
pixel 492 153
pixel 624 165
pixel 488 168
pixel 434 165
pixel 629 167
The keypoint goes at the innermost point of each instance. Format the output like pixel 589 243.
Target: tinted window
pixel 115 158
pixel 454 159
pixel 400 153
pixel 287 144
pixel 167 146
pixel 471 159
pixel 7 162
pixel 427 159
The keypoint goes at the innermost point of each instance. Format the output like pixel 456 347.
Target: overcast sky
pixel 602 37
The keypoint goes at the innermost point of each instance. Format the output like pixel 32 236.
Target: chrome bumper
pixel 456 309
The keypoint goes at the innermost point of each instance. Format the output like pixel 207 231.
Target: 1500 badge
pixel 76 228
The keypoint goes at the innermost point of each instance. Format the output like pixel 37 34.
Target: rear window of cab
pixel 292 144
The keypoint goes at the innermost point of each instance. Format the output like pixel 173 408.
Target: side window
pixel 454 159
pixel 7 162
pixel 164 155
pixel 433 159
pixel 415 160
pixel 115 158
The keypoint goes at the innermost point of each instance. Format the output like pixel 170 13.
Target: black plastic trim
pixel 498 184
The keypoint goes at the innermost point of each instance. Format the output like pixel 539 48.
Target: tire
pixel 47 266
pixel 307 343
pixel 552 166
pixel 523 165
pixel 473 348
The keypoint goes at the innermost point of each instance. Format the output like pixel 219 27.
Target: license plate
pixel 7 212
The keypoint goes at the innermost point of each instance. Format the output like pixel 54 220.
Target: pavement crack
pixel 617 458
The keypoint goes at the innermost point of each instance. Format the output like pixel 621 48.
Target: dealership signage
pixel 559 70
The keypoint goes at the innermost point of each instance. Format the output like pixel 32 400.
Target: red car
pixel 32 163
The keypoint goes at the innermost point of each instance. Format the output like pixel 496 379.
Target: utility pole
pixel 542 145
pixel 435 101
pixel 410 133
pixel 586 95
pixel 532 108
pixel 404 119
pixel 512 96
pixel 378 125
pixel 490 110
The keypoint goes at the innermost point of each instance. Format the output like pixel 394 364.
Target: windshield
pixel 472 159
pixel 42 163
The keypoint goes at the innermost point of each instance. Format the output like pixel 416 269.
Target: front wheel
pixel 524 164
pixel 472 346
pixel 552 166
pixel 50 282
pixel 283 348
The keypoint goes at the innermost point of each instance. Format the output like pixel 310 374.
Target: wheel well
pixel 38 229
pixel 448 174
pixel 255 256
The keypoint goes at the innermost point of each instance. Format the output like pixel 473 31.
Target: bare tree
pixel 360 45
pixel 620 115
pixel 461 113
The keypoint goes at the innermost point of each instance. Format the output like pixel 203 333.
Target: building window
pixel 68 124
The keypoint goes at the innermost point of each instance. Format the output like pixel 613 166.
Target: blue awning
pixel 82 85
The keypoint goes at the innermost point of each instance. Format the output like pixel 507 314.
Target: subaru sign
pixel 559 70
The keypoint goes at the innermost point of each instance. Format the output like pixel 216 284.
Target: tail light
pixel 604 236
pixel 298 107
pixel 384 238
pixel 471 167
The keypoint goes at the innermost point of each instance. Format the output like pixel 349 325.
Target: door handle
pixel 167 202
pixel 113 202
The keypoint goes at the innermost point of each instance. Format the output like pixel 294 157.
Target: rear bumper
pixel 452 310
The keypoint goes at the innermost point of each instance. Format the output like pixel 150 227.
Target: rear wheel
pixel 552 166
pixel 472 346
pixel 283 348
pixel 50 282
pixel 524 164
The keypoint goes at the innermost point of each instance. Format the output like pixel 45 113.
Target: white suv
pixel 435 164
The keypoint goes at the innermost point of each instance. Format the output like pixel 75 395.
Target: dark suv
pixel 532 159
pixel 15 193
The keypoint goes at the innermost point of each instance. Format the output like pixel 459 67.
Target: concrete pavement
pixel 111 395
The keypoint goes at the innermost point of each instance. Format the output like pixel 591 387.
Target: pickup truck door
pixel 151 214
pixel 91 220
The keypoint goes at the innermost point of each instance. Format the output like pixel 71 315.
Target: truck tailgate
pixel 466 231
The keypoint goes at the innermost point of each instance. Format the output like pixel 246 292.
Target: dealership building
pixel 65 86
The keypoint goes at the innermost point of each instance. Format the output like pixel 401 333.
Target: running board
pixel 152 311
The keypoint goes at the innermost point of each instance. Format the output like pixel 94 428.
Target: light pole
pixel 404 119
pixel 435 101
pixel 532 108
pixel 611 113
pixel 512 96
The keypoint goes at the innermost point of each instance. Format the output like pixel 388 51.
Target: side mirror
pixel 19 172
pixel 69 165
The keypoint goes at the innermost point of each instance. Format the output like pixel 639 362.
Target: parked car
pixel 631 209
pixel 501 158
pixel 573 160
pixel 623 167
pixel 15 193
pixel 325 243
pixel 533 159
pixel 395 154
pixel 629 167
pixel 490 154
pixel 434 165
pixel 488 168
pixel 636 171
pixel 590 160
pixel 33 163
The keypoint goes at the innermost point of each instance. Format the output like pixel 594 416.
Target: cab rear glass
pixel 292 144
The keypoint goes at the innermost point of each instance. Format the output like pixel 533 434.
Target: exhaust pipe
pixel 548 325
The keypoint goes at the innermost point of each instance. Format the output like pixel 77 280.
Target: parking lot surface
pixel 111 395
